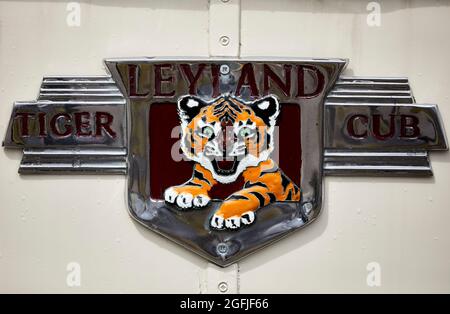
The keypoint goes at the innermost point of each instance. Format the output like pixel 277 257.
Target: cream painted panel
pixel 47 222
pixel 400 223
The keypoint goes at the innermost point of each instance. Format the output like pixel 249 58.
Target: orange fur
pixel 264 183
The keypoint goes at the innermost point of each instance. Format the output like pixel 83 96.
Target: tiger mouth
pixel 225 167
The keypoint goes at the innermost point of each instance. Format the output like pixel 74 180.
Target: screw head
pixel 225 1
pixel 224 40
pixel 223 287
pixel 224 69
pixel 222 248
pixel 308 207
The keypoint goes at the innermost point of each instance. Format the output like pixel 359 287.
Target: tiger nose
pixel 226 138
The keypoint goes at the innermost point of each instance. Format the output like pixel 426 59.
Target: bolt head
pixel 224 69
pixel 224 40
pixel 223 287
pixel 308 207
pixel 222 248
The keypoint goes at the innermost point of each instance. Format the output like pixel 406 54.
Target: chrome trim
pixel 346 155
pixel 68 94
pixel 376 163
pixel 75 160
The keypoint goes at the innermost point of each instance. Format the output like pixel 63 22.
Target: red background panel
pixel 166 172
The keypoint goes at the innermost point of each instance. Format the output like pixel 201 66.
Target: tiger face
pixel 227 135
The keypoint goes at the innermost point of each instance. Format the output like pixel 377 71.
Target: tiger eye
pixel 207 132
pixel 244 132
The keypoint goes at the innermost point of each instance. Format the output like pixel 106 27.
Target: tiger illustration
pixel 227 138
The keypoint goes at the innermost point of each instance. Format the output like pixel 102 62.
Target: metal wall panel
pixel 49 222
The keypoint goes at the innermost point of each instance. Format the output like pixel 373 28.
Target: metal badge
pixel 225 156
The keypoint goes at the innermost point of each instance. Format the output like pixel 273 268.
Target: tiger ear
pixel 267 108
pixel 189 107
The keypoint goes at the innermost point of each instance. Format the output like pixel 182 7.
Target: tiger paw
pixel 186 199
pixel 218 220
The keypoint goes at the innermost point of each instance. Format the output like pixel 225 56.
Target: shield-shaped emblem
pixel 225 156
